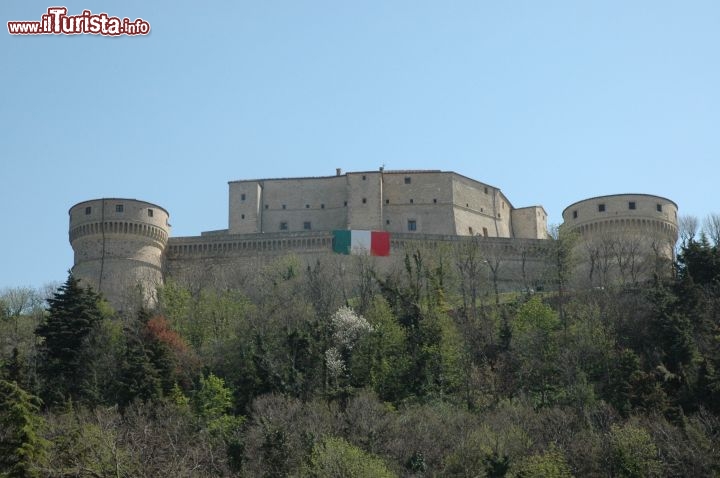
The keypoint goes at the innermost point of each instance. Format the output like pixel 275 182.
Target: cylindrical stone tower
pixel 623 236
pixel 119 246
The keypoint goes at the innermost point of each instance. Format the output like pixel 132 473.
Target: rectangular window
pixel 242 216
pixel 470 230
pixel 88 210
pixel 408 180
pixel 659 207
pixel 387 221
pixel 486 190
pixel 364 178
pixel 322 206
pixel 150 213
pixel 574 214
pixel 307 206
pixel 631 205
pixel 307 226
pixel 434 201
pixel 601 208
pixel 119 208
pixel 345 203
pixel 267 206
pixel 412 201
pixel 412 225
pixel 242 197
pixel 284 206
pixel 364 200
pixel 387 201
pixel 283 226
pixel 485 232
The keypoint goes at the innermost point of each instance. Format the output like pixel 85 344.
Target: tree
pixel 335 457
pixel 21 443
pixel 74 312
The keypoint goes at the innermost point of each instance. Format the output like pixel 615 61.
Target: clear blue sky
pixel 552 101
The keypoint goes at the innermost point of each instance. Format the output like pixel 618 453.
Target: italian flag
pixel 375 243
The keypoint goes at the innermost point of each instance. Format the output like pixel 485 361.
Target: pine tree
pixel 72 315
pixel 21 446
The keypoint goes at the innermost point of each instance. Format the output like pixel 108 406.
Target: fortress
pixel 124 245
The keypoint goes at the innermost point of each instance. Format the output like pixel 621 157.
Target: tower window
pixel 88 210
pixel 387 221
pixel 364 178
pixel 284 206
pixel 485 232
pixel 242 216
pixel 412 225
pixel 307 206
pixel 267 206
pixel 345 203
pixel 119 208
pixel 364 200
pixel 631 205
pixel 486 190
pixel 412 201
pixel 283 226
pixel 658 207
pixel 601 208
pixel 408 180
pixel 574 214
pixel 242 197
pixel 435 201
pixel 307 226
pixel 150 213
pixel 470 230
pixel 322 206
pixel 387 201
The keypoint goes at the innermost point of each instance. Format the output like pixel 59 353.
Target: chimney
pixel 338 172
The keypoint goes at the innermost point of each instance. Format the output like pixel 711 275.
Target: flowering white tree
pixel 348 327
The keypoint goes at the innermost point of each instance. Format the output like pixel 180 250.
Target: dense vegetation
pixel 426 371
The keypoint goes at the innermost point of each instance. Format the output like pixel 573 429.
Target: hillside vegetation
pixel 320 372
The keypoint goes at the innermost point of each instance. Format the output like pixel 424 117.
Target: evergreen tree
pixel 21 446
pixel 72 315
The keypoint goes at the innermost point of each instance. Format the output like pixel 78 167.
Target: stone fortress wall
pixel 622 236
pixel 120 243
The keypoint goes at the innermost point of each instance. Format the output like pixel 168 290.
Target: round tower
pixel 623 236
pixel 119 246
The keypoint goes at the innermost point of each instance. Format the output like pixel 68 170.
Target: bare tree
pixel 688 226
pixel 711 227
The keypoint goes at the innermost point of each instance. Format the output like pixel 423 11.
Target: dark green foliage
pixel 73 314
pixel 21 444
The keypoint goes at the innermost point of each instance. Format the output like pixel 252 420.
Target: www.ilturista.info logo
pixel 58 22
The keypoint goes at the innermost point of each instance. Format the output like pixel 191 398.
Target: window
pixel 387 221
pixel 408 180
pixel 345 203
pixel 242 197
pixel 631 205
pixel 307 226
pixel 267 206
pixel 364 178
pixel 412 225
pixel 322 206
pixel 387 201
pixel 485 232
pixel 435 201
pixel 88 210
pixel 601 208
pixel 658 207
pixel 150 213
pixel 364 200
pixel 307 206
pixel 412 200
pixel 242 216
pixel 283 226
pixel 119 208
pixel 470 230
pixel 574 214
pixel 486 190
